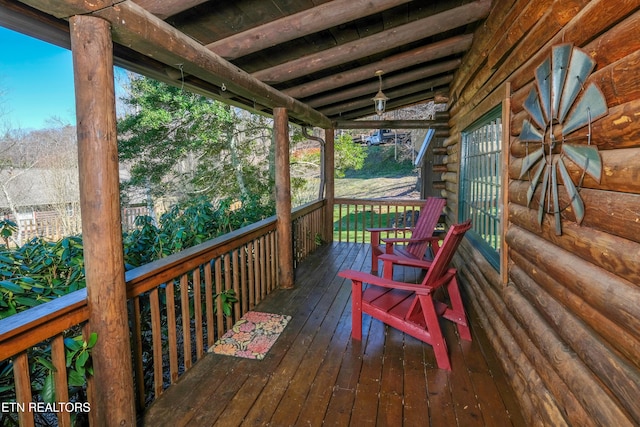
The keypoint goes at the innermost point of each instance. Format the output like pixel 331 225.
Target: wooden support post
pixel 283 198
pixel 113 402
pixel 329 188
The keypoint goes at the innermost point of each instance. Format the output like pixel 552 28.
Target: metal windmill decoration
pixel 558 105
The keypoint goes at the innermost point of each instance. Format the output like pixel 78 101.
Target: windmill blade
pixel 532 105
pixel 529 160
pixel 591 106
pixel 530 133
pixel 580 67
pixel 585 156
pixel 543 194
pixel 572 192
pixel 560 57
pixel 556 201
pixel 543 81
pixel 534 182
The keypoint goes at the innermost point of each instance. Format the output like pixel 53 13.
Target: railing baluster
pixel 197 312
pixel 236 284
pixel 172 333
pixel 134 311
pixel 186 321
pixel 340 222
pixel 156 333
pixel 219 311
pixel 208 289
pixel 355 223
pixel 256 272
pixel 251 270
pixel 263 282
pixel 60 378
pixel 243 296
pixel 23 388
pixel 274 259
pixel 227 284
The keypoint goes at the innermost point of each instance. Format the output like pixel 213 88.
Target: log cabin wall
pixel 432 167
pixel 565 316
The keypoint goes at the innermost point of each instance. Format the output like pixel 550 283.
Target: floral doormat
pixel 252 336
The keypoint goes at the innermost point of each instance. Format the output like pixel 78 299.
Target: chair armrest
pixel 379 230
pixel 409 239
pixel 360 276
pixel 401 260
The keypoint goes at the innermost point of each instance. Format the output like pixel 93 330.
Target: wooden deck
pixel 317 375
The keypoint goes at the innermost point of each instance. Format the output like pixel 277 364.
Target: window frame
pixel 479 158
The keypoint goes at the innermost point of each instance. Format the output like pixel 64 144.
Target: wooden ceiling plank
pixel 303 23
pixel 441 49
pixel 395 37
pixel 166 8
pixel 136 28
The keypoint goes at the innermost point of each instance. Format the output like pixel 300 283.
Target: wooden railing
pixel 308 229
pixel 176 310
pixel 351 217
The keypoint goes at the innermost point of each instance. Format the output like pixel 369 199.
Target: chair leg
pixel 375 250
pixel 433 326
pixel 456 313
pixel 356 310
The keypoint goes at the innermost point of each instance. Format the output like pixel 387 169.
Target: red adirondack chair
pixel 415 246
pixel 409 307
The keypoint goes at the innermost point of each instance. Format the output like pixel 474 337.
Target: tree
pixel 179 144
pixel 348 155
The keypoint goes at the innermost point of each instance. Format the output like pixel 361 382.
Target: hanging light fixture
pixel 380 100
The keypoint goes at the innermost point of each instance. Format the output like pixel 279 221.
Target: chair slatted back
pixel 426 224
pixel 440 264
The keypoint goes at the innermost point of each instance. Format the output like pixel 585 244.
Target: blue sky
pixel 36 82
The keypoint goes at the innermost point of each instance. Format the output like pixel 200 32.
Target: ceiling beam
pixel 298 25
pixel 437 123
pixel 395 96
pixel 387 84
pixel 394 104
pixel 67 8
pixel 441 49
pixel 166 8
pixel 385 40
pixel 134 27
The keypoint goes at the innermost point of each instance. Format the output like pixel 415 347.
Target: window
pixel 480 181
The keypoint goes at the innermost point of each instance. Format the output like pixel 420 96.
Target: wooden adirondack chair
pixel 409 307
pixel 415 246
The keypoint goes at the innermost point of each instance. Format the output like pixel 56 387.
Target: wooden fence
pixel 51 226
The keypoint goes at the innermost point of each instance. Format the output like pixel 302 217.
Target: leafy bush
pixel 38 272
pixel 188 224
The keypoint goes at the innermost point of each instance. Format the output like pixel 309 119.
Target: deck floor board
pixel 315 374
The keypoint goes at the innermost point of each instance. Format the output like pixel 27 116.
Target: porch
pixel 316 373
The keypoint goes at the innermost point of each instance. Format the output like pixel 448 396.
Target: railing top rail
pixel 28 328
pixel 307 208
pixel 188 259
pixel 383 202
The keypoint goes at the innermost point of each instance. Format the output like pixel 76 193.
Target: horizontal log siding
pixel 173 309
pixel 566 321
